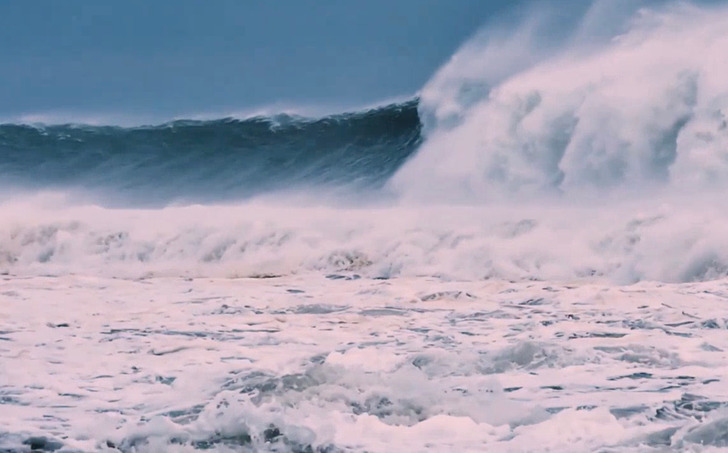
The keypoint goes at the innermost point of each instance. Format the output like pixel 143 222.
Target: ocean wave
pixel 598 161
pixel 210 160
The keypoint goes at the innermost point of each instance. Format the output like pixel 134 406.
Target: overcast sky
pixel 185 56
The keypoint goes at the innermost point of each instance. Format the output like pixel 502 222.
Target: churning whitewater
pixel 530 255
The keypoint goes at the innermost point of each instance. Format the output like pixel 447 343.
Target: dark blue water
pixel 201 161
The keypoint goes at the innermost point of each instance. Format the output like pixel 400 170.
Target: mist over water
pixel 644 109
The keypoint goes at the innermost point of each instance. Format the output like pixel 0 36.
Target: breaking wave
pixel 642 110
pixel 597 156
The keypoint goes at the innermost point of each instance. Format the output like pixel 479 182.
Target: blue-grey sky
pixel 173 58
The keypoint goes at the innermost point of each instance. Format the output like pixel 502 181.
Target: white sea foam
pixel 646 108
pixel 306 363
pixel 673 240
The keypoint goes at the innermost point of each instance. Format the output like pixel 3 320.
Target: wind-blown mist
pixel 644 109
pixel 596 155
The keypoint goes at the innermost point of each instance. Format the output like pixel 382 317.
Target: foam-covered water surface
pixel 310 363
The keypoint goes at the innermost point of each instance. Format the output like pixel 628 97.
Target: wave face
pixel 211 160
pixel 645 109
